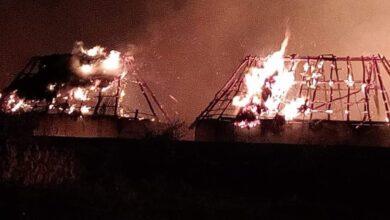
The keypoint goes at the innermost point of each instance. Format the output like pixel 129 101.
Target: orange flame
pixel 99 62
pixel 266 89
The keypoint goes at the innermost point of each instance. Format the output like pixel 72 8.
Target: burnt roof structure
pixel 46 82
pixel 345 89
pixel 343 101
pixel 32 81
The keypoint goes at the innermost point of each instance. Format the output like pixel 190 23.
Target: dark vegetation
pixel 68 178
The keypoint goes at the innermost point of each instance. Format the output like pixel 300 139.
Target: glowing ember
pixel 123 94
pixel 122 113
pixel 349 81
pixel 105 89
pixel 247 124
pixel 173 98
pixel 331 83
pixel 80 94
pixel 72 109
pixel 51 87
pixel 85 110
pixel 15 104
pixel 363 88
pixel 329 111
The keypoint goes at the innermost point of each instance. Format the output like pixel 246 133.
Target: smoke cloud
pixel 188 49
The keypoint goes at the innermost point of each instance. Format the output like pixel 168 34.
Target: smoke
pixel 188 49
pixel 195 49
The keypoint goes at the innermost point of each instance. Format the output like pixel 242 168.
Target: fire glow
pixel 280 88
pixel 96 61
pixel 100 72
pixel 267 86
pixel 17 104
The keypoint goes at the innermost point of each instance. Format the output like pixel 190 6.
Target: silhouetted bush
pixel 175 130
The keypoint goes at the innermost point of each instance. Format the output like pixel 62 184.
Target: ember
pixel 15 103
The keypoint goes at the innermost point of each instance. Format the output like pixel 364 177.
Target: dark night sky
pixel 188 48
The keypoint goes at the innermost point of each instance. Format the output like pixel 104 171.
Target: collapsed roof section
pixel 85 82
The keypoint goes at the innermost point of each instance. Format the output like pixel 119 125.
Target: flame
pixel 95 51
pixel 15 104
pixel 122 94
pixel 267 87
pixel 72 109
pixel 331 83
pixel 292 110
pixel 248 124
pixel 85 110
pixel 80 94
pixel 87 69
pixel 105 74
pixel 96 62
pixel 113 61
pixel 363 88
pixel 51 87
pixel 349 81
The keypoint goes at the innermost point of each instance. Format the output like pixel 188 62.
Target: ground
pixel 68 178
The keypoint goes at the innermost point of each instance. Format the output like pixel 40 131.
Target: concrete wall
pixel 311 133
pixel 74 126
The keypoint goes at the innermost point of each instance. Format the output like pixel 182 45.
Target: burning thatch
pixel 316 100
pixel 322 87
pixel 86 82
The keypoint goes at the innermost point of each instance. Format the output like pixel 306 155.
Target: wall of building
pixel 310 133
pixel 75 126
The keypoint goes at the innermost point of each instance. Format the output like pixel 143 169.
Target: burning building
pixel 82 94
pixel 319 100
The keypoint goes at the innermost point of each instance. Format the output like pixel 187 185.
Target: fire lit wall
pixel 320 133
pixel 70 126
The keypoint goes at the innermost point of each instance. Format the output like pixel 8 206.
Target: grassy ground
pixel 65 178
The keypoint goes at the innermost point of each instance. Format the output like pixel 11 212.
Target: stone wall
pixel 75 126
pixel 297 132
